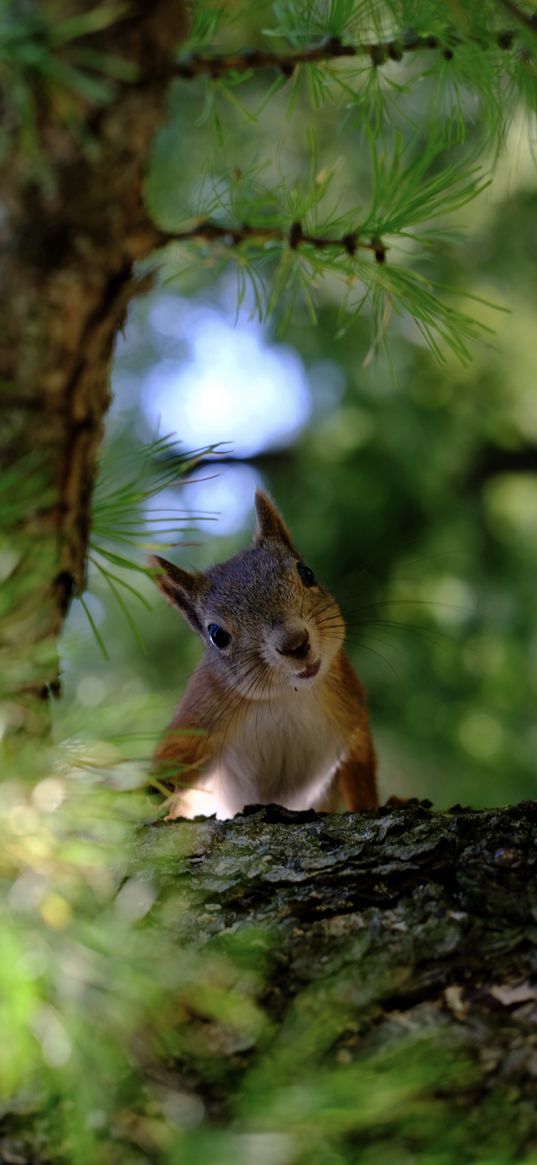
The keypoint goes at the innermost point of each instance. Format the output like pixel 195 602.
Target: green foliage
pixel 424 110
pixel 354 249
pixel 473 52
pixel 125 526
pixel 102 995
pixel 45 58
pixel 31 48
pixel 25 559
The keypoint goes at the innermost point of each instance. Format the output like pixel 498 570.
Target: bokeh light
pixel 234 385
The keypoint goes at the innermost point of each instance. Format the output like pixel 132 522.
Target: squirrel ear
pixel 181 588
pixel 270 523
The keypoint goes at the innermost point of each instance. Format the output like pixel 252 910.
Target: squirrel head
pixel 267 624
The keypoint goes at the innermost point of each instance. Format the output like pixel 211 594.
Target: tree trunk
pixel 66 252
pixel 394 958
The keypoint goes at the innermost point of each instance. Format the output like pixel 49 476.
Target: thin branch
pixel 294 237
pixel 493 461
pixel 332 48
pixel 525 20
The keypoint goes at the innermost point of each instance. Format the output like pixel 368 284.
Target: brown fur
pixel 355 777
pixel 262 602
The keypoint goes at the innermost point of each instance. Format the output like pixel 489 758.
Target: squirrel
pixel 274 713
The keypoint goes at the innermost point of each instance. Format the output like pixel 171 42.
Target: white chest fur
pixel 283 751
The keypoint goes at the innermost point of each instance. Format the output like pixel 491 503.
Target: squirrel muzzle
pixel 294 643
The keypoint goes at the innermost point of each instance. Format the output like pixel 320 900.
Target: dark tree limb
pixel 383 934
pixel 353 988
pixel 333 48
pixel 492 461
pixel 294 237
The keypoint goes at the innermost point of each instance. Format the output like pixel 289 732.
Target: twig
pixel 332 48
pixel 522 18
pixel 294 237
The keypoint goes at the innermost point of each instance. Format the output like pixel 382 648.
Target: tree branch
pixel 333 48
pixel 522 18
pixel 294 237
pixel 367 930
pixel 492 461
pixel 359 982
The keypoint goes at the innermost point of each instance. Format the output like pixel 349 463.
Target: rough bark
pixel 400 961
pixel 389 961
pixel 66 255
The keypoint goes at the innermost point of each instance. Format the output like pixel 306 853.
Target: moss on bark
pixel 394 958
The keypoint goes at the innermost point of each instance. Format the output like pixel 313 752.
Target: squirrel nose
pixel 295 643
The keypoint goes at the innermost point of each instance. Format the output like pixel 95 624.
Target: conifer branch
pixel 334 48
pixel 524 19
pixel 294 237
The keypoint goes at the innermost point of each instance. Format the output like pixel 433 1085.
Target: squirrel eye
pixel 218 636
pixel 306 574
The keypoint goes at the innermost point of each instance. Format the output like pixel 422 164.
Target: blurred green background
pixel 409 484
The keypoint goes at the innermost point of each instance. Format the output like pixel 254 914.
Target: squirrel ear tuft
pixel 179 587
pixel 270 523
